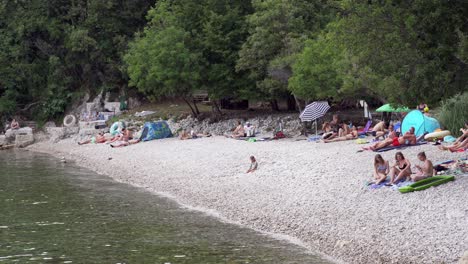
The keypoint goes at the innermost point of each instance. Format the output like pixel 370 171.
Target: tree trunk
pixel 291 103
pixel 215 108
pixel 195 106
pixel 298 104
pixel 191 108
pixel 274 105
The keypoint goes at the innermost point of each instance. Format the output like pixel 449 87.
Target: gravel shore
pixel 313 192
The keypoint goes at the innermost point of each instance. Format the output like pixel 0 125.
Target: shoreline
pixel 297 194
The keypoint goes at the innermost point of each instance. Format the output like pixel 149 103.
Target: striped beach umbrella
pixel 314 110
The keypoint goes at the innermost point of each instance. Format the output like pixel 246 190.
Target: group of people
pixel 409 138
pixel 401 169
pixel 338 131
pixel 247 130
pixel 119 137
pixel 461 143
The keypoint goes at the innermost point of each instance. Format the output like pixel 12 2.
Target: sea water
pixel 55 212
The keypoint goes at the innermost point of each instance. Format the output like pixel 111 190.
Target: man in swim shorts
pixel 424 171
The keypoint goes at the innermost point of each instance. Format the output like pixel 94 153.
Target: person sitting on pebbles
pixel 352 135
pixel 253 164
pixel 424 171
pixel 381 169
pixel 327 131
pixel 400 170
pixel 249 130
pixel 121 139
pixel 14 124
pixel 238 131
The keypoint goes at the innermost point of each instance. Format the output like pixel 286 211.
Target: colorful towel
pixel 399 147
pixel 373 186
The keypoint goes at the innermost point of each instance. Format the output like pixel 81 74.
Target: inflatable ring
pixel 438 134
pixel 69 121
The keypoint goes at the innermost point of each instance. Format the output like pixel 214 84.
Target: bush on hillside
pixel 454 113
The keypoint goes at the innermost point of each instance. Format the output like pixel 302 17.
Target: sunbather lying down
pixel 352 135
pixel 407 139
pixel 192 135
pixel 461 143
pixel 459 146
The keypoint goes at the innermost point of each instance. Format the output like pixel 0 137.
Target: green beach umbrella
pixel 389 108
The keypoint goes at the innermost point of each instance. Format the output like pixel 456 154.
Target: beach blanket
pixel 373 186
pixel 399 147
pixel 314 138
pixel 455 167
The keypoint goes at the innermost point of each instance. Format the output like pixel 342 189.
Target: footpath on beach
pixel 309 192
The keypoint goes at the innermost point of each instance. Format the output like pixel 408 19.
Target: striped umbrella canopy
pixel 314 110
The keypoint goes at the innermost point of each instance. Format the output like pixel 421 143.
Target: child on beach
pixel 381 169
pixel 253 164
pixel 424 171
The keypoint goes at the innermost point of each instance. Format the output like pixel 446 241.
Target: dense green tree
pixel 318 70
pixel 405 52
pixel 215 31
pixel 278 29
pixel 160 64
pixel 53 52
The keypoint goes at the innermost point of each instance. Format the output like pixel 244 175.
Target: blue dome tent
pixel 421 123
pixel 155 130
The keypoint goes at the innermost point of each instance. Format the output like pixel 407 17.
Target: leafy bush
pixel 454 113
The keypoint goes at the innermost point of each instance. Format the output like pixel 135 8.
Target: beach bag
pixel 361 141
pixel 279 134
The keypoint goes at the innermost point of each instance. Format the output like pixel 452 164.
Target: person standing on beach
pixel 253 164
pixel 424 171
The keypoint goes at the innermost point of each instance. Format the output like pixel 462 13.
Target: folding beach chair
pixel 365 130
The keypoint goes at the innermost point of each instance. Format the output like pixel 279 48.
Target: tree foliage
pixel 278 29
pixel 401 52
pixel 52 52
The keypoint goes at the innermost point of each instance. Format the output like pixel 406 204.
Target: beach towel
pixel 314 138
pixel 374 186
pixel 361 141
pixel 399 147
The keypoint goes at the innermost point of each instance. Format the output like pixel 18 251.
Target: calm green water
pixel 53 212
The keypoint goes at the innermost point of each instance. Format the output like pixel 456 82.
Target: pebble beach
pixel 311 193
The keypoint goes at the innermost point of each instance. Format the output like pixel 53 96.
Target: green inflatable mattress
pixel 426 183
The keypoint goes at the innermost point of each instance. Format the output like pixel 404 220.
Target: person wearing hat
pixel 421 107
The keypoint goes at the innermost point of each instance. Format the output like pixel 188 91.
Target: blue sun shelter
pixel 421 123
pixel 155 130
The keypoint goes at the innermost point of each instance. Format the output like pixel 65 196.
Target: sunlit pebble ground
pixel 311 191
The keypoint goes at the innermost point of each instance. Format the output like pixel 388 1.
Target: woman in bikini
pixel 353 135
pixel 381 169
pixel 401 169
pixel 327 131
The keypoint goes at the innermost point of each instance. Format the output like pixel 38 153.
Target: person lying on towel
pixel 407 139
